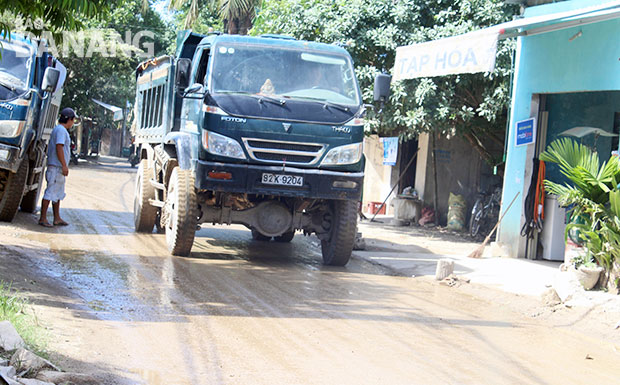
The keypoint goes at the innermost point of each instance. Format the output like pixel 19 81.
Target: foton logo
pixel 232 119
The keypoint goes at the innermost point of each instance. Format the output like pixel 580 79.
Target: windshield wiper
pixel 271 99
pixel 260 97
pixel 11 82
pixel 325 103
pixel 8 87
pixel 335 105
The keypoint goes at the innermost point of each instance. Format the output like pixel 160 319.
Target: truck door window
pixel 202 67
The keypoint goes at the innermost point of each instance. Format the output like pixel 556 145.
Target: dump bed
pixel 154 99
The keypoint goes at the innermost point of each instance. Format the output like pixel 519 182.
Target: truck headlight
pixel 349 154
pixel 217 144
pixel 11 128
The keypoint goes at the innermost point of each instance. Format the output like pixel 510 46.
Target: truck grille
pixel 275 151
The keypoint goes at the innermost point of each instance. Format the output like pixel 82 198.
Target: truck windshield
pixel 14 69
pixel 283 72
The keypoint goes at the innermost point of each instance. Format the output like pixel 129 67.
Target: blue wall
pixel 550 63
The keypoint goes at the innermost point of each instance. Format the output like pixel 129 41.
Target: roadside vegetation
pixel 15 309
pixel 593 198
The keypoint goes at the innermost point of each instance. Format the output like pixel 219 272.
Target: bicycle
pixel 485 212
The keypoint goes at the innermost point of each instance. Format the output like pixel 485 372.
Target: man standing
pixel 58 155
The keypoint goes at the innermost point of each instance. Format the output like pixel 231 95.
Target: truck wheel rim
pixel 138 195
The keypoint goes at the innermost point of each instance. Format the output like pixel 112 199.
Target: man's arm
pixel 61 157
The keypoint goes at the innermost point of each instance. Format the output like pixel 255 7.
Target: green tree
pixel 109 75
pixel 236 15
pixel 472 105
pixel 53 15
pixel 207 20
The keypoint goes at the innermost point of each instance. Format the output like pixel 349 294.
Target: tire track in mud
pixel 257 304
pixel 148 267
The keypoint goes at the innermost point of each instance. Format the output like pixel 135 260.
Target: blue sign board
pixel 390 151
pixel 526 131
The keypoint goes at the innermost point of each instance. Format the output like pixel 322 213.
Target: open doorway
pixel 591 118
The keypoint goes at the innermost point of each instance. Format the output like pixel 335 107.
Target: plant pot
pixel 588 276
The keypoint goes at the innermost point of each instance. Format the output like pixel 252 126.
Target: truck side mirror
pixel 382 88
pixel 50 79
pixel 196 90
pixel 184 66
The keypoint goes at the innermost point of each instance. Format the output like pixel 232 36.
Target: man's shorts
pixel 55 190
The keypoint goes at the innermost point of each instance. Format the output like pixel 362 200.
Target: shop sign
pixel 525 131
pixel 469 53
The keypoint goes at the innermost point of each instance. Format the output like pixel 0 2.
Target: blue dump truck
pixel 261 131
pixel 30 95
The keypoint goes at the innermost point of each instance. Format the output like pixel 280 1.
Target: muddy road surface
pixel 239 311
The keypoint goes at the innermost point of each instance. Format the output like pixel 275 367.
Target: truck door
pixel 191 114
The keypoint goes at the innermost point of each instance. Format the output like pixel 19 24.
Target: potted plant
pixel 594 196
pixel 586 270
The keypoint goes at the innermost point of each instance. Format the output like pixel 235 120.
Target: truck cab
pixel 30 94
pixel 262 131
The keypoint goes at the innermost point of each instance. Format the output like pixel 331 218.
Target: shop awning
pixel 116 111
pixel 475 51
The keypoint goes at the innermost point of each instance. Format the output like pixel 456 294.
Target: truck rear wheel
pixel 286 237
pixel 180 212
pixel 12 187
pixel 144 213
pixel 343 218
pixel 259 237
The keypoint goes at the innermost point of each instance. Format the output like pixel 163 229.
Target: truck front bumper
pixel 9 157
pixel 244 178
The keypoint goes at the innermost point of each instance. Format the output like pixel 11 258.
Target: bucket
pixel 373 207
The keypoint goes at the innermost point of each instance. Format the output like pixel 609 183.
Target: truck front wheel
pixel 144 213
pixel 180 212
pixel 337 248
pixel 12 187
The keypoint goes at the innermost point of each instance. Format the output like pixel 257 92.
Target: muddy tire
pixel 144 213
pixel 259 237
pixel 285 238
pixel 30 200
pixel 181 210
pixel 12 191
pixel 337 250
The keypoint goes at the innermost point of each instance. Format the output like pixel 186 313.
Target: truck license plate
pixel 284 180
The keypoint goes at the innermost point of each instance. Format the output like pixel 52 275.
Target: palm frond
pixel 569 154
pixel 176 4
pixel 192 14
pixel 231 9
pixel 614 203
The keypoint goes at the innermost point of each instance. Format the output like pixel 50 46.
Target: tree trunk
pixel 484 154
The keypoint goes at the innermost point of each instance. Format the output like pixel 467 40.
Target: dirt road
pixel 244 312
